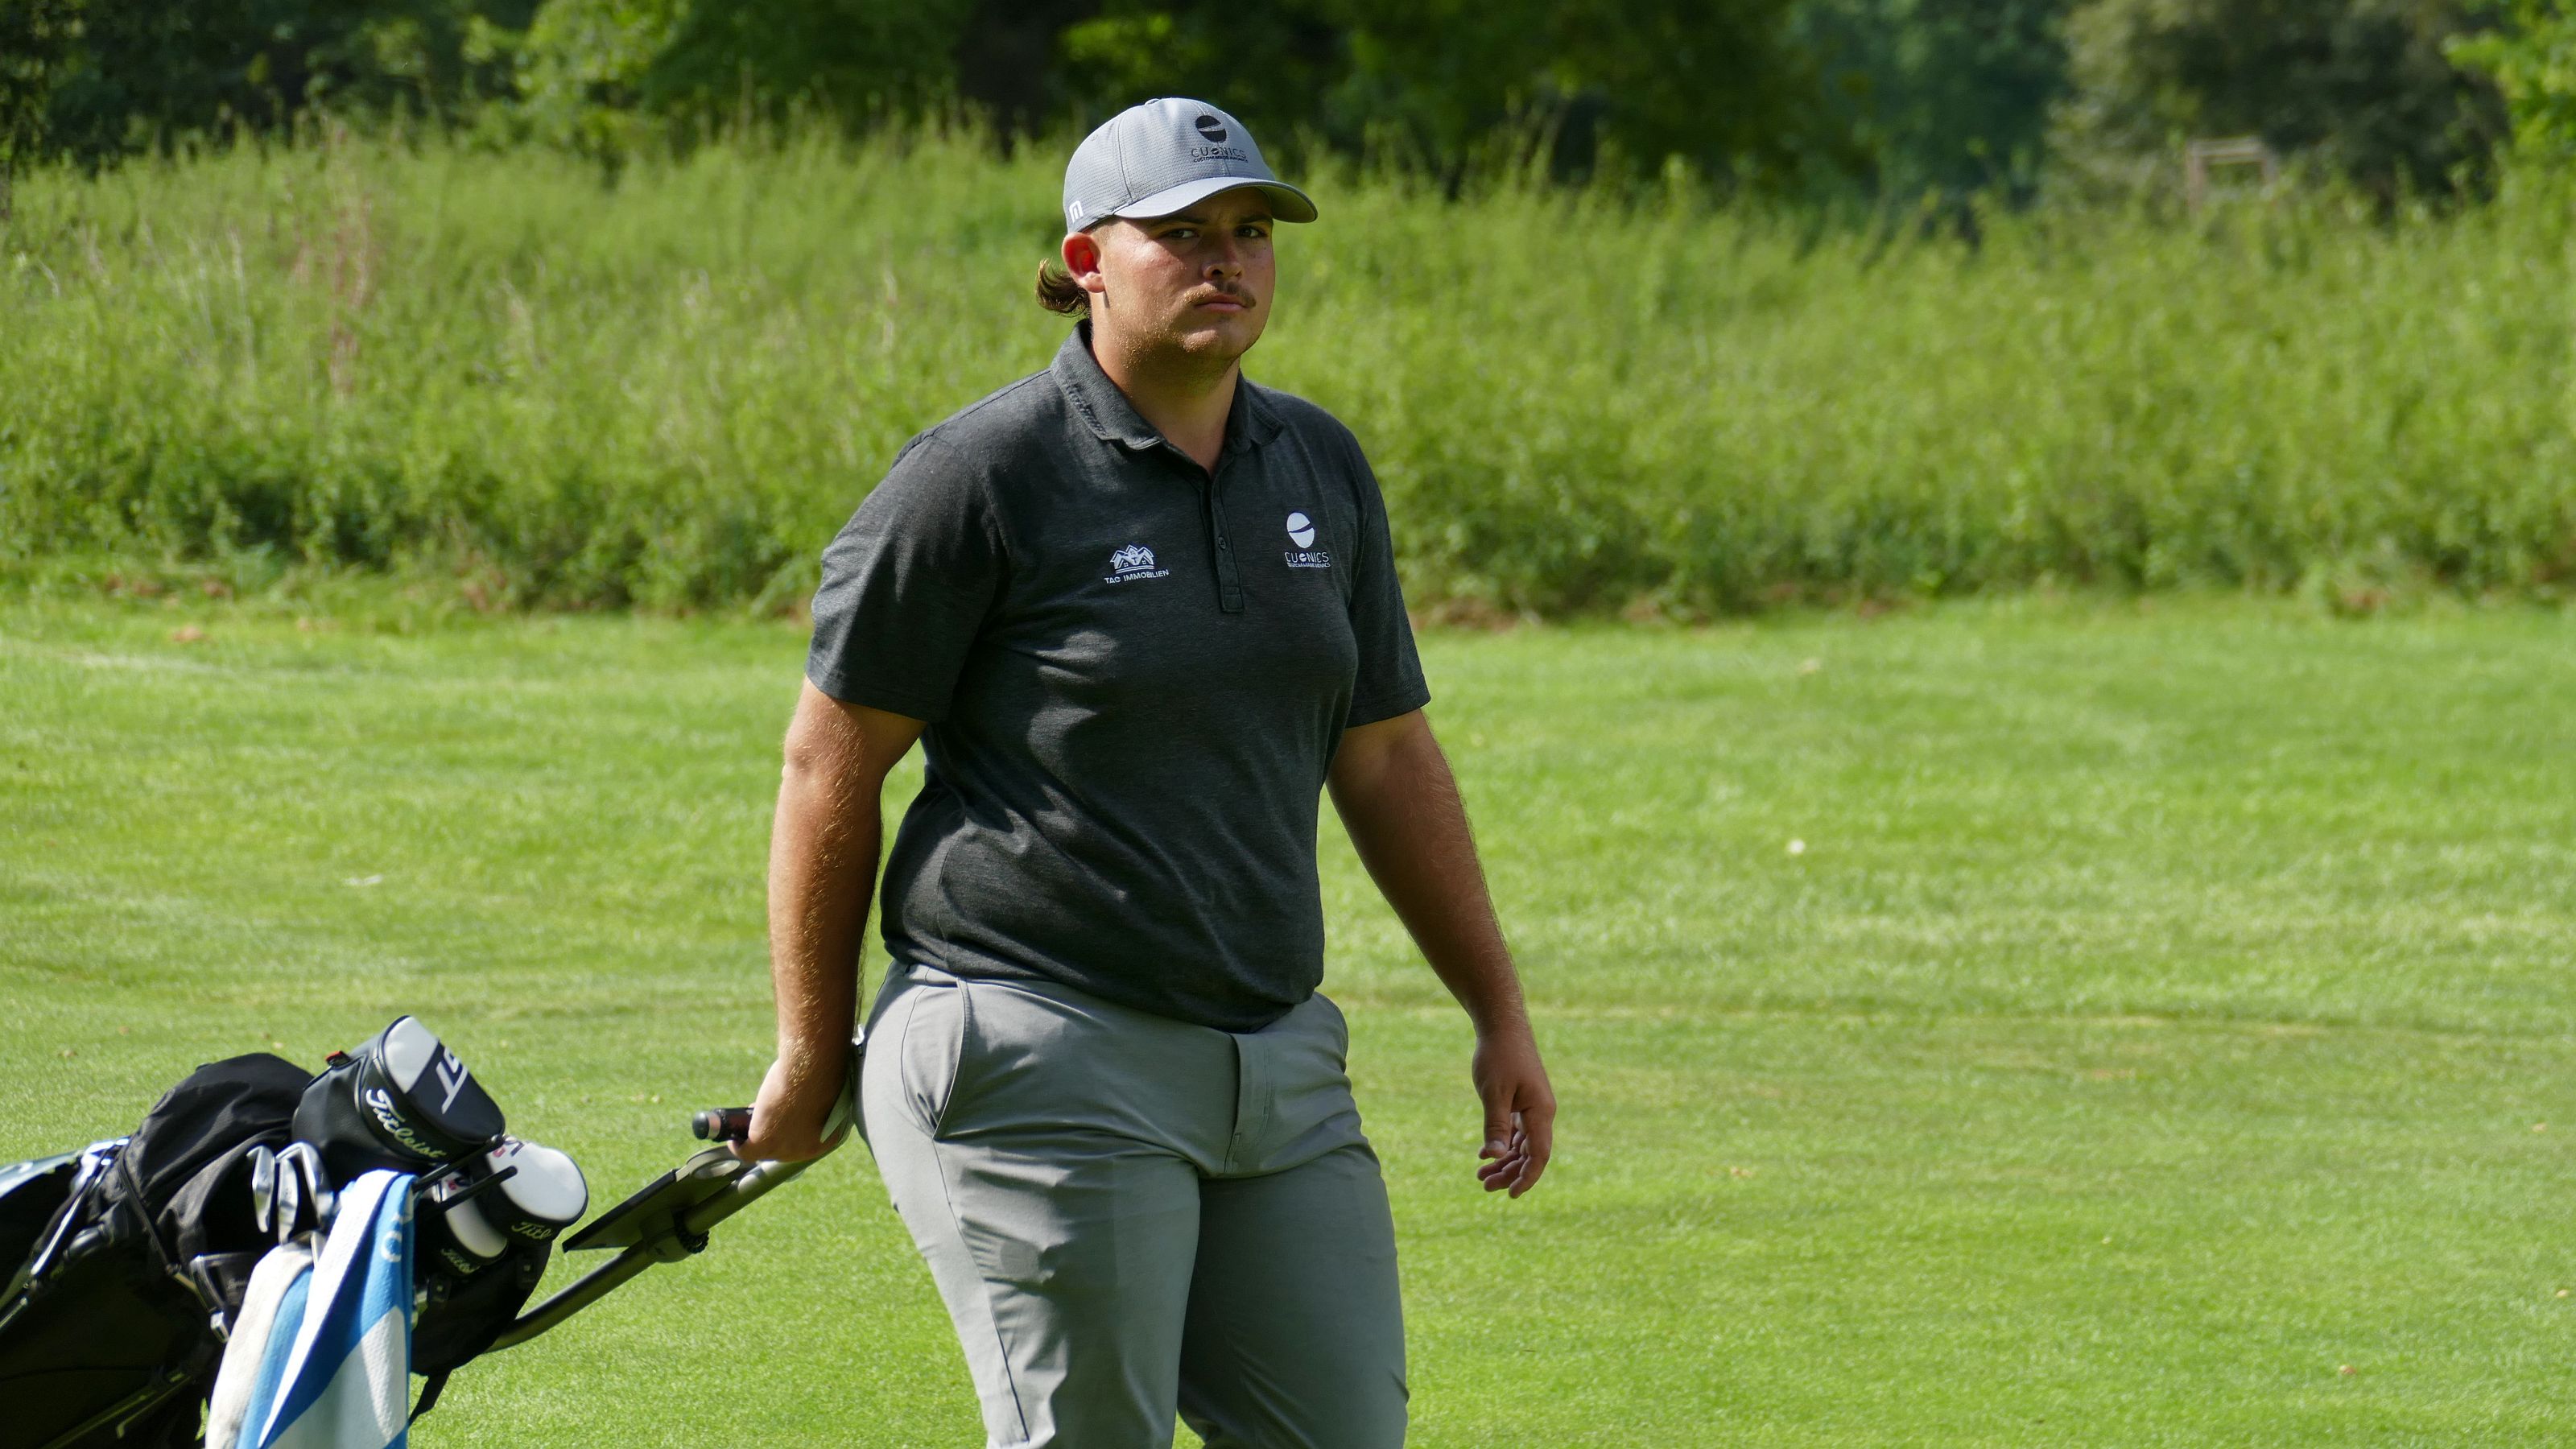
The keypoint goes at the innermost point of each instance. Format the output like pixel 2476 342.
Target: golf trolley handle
pixel 688 1235
pixel 722 1124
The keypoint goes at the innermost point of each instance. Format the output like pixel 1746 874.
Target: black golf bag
pixel 127 1261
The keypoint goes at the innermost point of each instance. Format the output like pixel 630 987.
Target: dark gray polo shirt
pixel 1135 675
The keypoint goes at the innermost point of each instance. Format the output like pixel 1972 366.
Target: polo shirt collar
pixel 1093 395
pixel 1250 422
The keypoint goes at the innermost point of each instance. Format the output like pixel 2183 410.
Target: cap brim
pixel 1287 203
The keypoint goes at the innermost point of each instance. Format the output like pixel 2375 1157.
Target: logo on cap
pixel 1211 127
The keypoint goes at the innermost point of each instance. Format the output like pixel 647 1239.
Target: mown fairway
pixel 2169 1008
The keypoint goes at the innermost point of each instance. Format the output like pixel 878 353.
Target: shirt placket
pixel 1229 578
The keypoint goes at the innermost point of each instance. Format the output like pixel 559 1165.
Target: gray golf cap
pixel 1163 156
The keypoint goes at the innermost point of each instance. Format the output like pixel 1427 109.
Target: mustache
pixel 1221 293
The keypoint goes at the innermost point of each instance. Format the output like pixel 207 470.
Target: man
pixel 1139 612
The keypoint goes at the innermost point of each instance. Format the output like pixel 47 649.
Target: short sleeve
pixel 906 585
pixel 1390 679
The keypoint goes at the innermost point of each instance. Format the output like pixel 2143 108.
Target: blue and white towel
pixel 320 1357
pixel 277 1292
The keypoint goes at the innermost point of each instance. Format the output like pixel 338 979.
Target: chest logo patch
pixel 1301 532
pixel 1133 562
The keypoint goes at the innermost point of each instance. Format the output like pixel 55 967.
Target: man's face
pixel 1196 282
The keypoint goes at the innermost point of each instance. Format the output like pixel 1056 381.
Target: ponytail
pixel 1059 292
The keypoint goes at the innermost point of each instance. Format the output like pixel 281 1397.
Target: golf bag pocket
pixel 31 1193
pixel 463 1315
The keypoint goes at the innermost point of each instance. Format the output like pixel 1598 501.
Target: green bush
pixel 669 388
pixel 2530 52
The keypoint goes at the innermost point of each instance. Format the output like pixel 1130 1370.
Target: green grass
pixel 2169 1008
pixel 666 389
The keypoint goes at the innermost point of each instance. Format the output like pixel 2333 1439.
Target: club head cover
pixel 402 1099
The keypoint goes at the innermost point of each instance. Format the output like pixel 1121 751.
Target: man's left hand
pixel 1520 1110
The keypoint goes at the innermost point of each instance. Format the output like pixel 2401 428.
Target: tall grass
pixel 669 387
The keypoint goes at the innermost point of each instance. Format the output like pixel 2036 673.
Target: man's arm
pixel 823 847
pixel 1400 804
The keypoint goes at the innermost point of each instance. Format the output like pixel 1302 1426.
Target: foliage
pixel 1801 98
pixel 581 67
pixel 37 38
pixel 143 75
pixel 1713 81
pixel 2362 86
pixel 1947 96
pixel 611 73
pixel 2531 55
pixel 1134 51
pixel 669 390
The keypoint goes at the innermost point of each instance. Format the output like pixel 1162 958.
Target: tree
pixel 2531 57
pixel 37 39
pixel 138 74
pixel 1128 52
pixel 2363 87
pixel 606 73
pixel 1006 61
pixel 1714 82
pixel 1942 96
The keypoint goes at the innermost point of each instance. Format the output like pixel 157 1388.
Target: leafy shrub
pixel 669 388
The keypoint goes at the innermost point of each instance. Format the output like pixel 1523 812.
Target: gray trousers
pixel 1128 1215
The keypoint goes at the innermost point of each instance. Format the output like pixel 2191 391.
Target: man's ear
pixel 1082 259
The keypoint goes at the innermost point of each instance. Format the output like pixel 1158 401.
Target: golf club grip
pixel 722 1124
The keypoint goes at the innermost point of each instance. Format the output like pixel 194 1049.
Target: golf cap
pixel 1164 156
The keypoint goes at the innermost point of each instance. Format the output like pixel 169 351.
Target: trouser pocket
pixel 931 1052
pixel 1296 1095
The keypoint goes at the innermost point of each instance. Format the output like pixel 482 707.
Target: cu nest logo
pixel 1211 127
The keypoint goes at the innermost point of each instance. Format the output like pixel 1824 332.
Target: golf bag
pixel 127 1261
pixel 108 1319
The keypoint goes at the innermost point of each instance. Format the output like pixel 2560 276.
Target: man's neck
pixel 1187 404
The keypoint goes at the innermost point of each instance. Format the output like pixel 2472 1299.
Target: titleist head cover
pixel 454 1235
pixel 402 1100
pixel 543 1195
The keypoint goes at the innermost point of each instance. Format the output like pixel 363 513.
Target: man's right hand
pixel 823 846
pixel 796 1099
